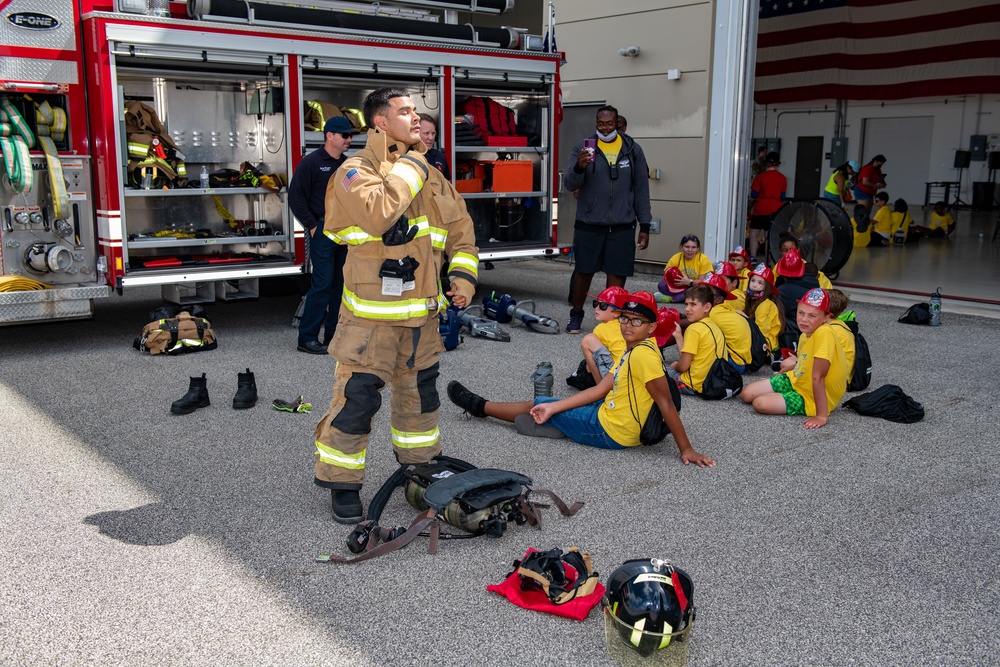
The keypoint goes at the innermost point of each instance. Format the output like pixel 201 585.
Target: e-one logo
pixel 33 20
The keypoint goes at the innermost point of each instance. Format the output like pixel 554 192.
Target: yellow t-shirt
pixel 882 221
pixel 738 302
pixel 627 405
pixel 744 279
pixel 737 332
pixel 611 149
pixel 824 282
pixel 861 239
pixel 610 335
pixel 769 322
pixel 845 338
pixel 704 351
pixel 822 344
pixel 941 221
pixel 694 269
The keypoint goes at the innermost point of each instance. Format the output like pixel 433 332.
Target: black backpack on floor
pixel 861 374
pixel 888 402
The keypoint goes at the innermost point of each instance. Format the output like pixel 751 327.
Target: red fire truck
pixel 236 91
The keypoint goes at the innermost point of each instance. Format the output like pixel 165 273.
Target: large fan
pixel 825 235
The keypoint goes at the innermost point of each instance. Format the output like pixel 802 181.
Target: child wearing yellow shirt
pixel 817 382
pixel 701 343
pixel 610 415
pixel 603 349
pixel 763 307
pixel 733 325
pixel 740 259
pixel 941 227
pixel 862 226
pixel 845 337
pixel 882 221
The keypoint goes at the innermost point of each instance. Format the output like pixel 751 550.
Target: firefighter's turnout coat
pixel 393 211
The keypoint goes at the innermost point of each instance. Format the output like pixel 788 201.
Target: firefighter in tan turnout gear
pixel 398 217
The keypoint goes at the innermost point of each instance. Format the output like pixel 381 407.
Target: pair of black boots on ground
pixel 197 394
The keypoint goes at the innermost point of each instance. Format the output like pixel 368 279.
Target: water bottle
pixel 542 379
pixel 935 303
pixel 204 176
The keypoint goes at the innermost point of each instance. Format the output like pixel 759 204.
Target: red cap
pixel 728 270
pixel 791 265
pixel 817 298
pixel 670 276
pixel 718 282
pixel 609 295
pixel 641 303
pixel 666 321
pixel 739 251
pixel 763 272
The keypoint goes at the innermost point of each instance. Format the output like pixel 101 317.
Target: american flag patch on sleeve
pixel 349 178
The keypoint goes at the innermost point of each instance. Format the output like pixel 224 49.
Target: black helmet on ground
pixel 650 602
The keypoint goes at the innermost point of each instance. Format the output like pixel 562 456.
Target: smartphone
pixel 589 144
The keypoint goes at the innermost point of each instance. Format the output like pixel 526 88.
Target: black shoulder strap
pixel 716 340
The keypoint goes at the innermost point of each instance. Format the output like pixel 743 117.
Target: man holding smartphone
pixel 610 172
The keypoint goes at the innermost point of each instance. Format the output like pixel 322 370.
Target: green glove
pixel 298 405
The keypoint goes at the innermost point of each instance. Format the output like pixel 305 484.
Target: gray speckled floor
pixel 130 536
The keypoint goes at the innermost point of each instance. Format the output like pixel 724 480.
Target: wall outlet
pixel 654 226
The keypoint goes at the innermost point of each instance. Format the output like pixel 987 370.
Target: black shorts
pixel 610 250
pixel 760 222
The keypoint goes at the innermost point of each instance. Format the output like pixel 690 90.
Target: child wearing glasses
pixel 610 415
pixel 683 270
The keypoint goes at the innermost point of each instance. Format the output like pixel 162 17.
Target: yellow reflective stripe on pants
pixel 414 440
pixel 463 260
pixel 397 310
pixel 335 457
pixel 408 174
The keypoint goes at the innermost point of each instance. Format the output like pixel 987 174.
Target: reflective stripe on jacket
pixel 387 184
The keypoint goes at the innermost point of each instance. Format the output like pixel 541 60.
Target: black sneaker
pixel 525 425
pixel 474 404
pixel 575 321
pixel 581 379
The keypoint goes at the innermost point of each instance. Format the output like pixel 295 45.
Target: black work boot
pixel 246 391
pixel 196 397
pixel 347 506
pixel 465 399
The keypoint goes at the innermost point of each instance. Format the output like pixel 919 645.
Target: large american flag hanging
pixel 876 49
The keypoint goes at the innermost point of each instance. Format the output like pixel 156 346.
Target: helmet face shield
pixel 649 606
pixel 629 645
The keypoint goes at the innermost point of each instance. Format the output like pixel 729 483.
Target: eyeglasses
pixel 634 321
pixel 346 135
pixel 602 305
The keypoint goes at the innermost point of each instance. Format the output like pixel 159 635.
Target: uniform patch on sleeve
pixel 349 178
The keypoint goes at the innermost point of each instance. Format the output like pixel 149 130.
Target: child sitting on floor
pixel 941 227
pixel 740 259
pixel 610 415
pixel 701 343
pixel 881 221
pixel 693 265
pixel 789 241
pixel 764 308
pixel 845 337
pixel 862 225
pixel 605 346
pixel 817 379
pixel 732 277
pixel 734 326
pixel 901 221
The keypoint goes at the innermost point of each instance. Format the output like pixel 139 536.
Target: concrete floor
pixel 965 266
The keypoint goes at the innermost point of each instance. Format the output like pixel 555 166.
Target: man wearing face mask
pixel 610 171
pixel 398 216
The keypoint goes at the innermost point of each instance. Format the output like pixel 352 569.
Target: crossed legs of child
pixel 774 396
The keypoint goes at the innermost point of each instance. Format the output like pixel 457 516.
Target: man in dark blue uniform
pixel 307 199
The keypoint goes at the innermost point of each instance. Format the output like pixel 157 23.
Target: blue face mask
pixel 754 295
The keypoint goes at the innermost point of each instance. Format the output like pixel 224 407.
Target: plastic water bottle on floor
pixel 542 379
pixel 935 307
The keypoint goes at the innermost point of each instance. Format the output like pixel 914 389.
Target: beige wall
pixel 667 118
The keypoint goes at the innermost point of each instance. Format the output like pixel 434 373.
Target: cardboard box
pixel 512 176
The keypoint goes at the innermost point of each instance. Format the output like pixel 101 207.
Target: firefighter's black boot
pixel 347 506
pixel 246 391
pixel 196 397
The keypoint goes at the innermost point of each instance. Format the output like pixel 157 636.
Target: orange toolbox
pixel 512 175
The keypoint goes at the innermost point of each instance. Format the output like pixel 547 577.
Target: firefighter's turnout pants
pixel 369 357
